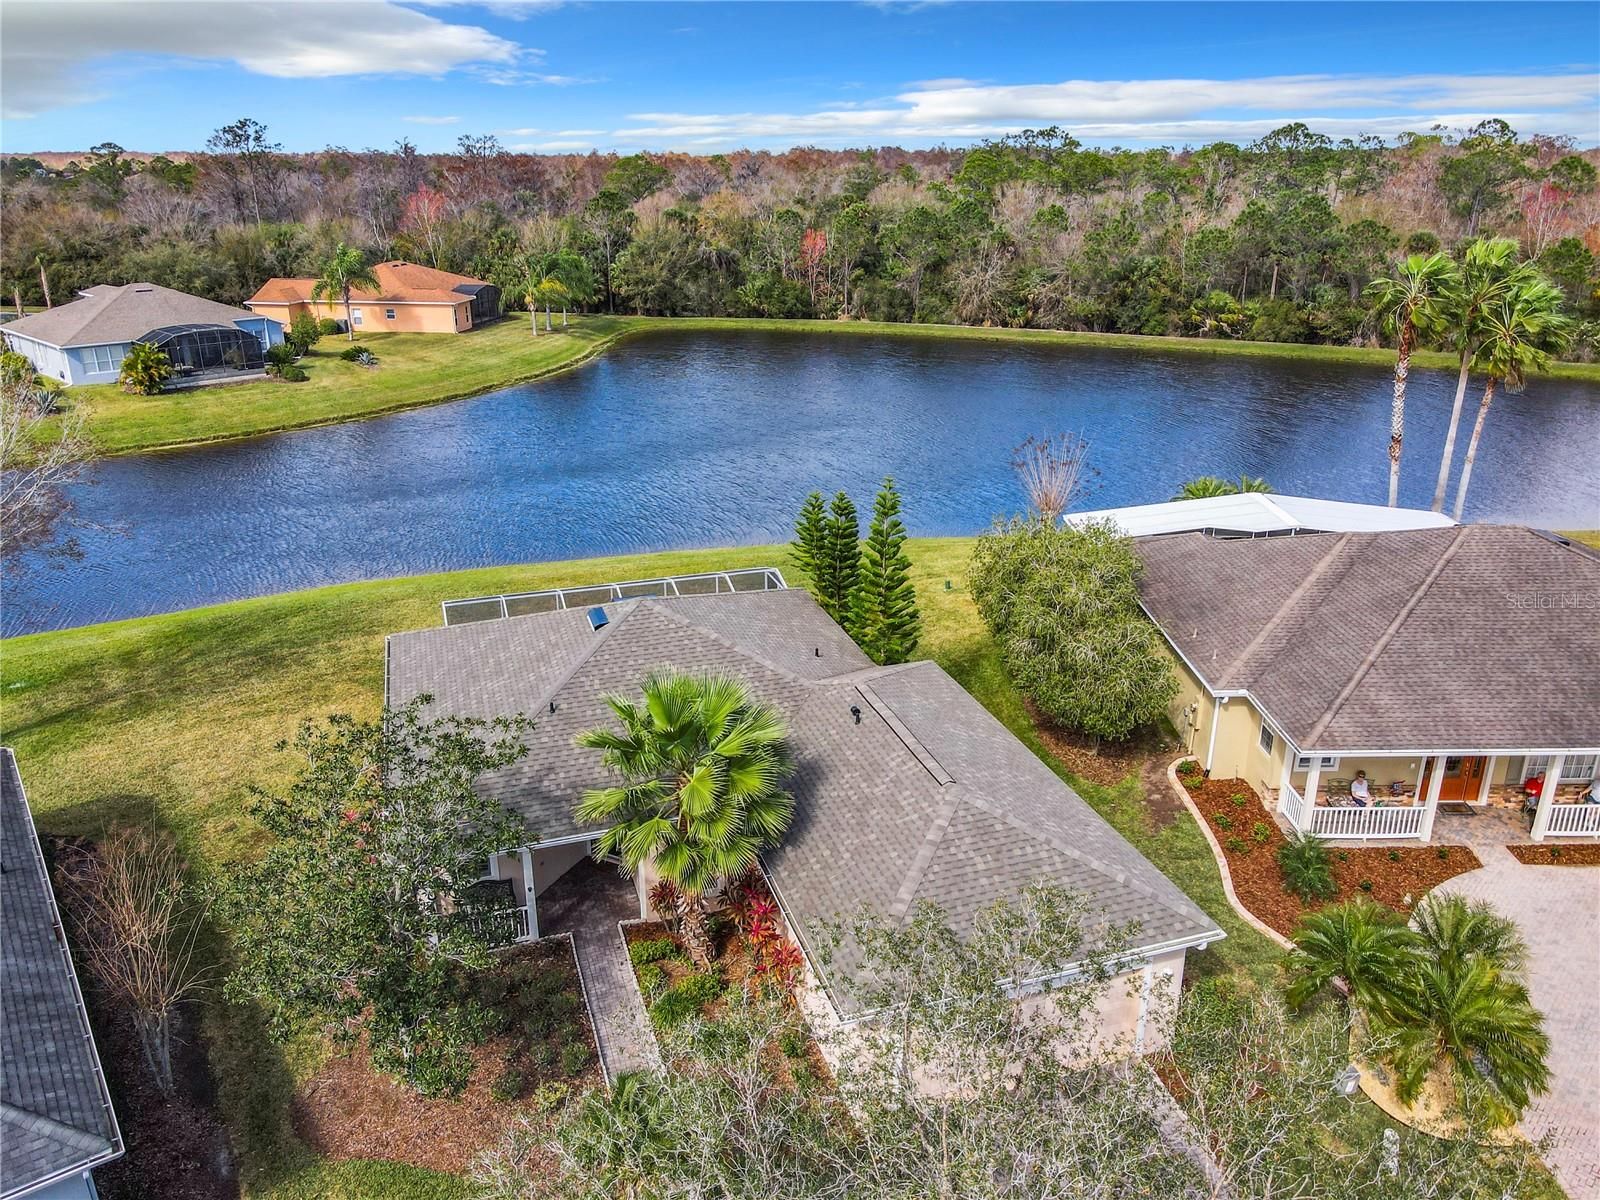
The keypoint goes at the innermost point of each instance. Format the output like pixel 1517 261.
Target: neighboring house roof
pixel 1256 513
pixel 398 283
pixel 1476 638
pixel 110 314
pixel 928 798
pixel 56 1118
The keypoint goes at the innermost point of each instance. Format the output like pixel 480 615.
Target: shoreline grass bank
pixel 416 370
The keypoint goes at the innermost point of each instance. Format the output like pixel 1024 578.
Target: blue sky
pixel 714 76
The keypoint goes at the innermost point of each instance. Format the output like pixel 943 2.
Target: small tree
pixel 41 452
pixel 305 331
pixel 352 920
pixel 810 547
pixel 1053 471
pixel 883 608
pixel 1063 605
pixel 842 562
pixel 137 919
pixel 144 370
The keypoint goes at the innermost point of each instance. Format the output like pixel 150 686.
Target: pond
pixel 683 440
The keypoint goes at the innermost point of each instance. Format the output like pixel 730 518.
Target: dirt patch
pixel 1105 763
pixel 1398 877
pixel 1163 806
pixel 1556 856
pixel 348 1110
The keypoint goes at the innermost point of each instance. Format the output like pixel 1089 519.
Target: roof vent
pixel 598 619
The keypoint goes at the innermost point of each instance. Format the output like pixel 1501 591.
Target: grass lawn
pixel 167 720
pixel 419 369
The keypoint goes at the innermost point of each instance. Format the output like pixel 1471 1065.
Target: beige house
pixel 409 299
pixel 1450 666
pixel 906 788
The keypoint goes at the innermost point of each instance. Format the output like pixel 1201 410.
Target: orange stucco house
pixel 409 299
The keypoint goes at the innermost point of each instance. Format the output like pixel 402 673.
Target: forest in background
pixel 1271 241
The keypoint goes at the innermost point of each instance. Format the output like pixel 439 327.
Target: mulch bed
pixel 1398 877
pixel 1107 763
pixel 177 1146
pixel 348 1110
pixel 1557 856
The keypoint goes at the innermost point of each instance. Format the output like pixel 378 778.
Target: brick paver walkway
pixel 1558 911
pixel 587 902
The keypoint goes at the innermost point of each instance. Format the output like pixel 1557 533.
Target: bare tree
pixel 1054 472
pixel 42 450
pixel 137 921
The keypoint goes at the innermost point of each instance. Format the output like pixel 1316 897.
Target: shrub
pixel 144 370
pixel 1344 856
pixel 1261 831
pixel 652 978
pixel 1223 820
pixel 1365 885
pixel 327 327
pixel 575 1058
pixel 280 355
pixel 1189 766
pixel 509 1084
pixel 1444 853
pixel 1555 851
pixel 1237 844
pixel 793 1043
pixel 653 950
pixel 1303 863
pixel 358 354
pixel 1394 856
pixel 701 989
pixel 672 1008
pixel 292 374
pixel 1238 799
pixel 304 332
pixel 15 368
pixel 542 1054
pixel 548 1097
pixel 493 989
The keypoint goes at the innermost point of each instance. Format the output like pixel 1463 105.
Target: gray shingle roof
pixel 111 314
pixel 55 1112
pixel 928 798
pixel 1481 637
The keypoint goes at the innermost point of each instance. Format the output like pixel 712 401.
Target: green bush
pixel 548 1097
pixel 702 988
pixel 653 950
pixel 652 978
pixel 144 370
pixel 542 1054
pixel 327 327
pixel 304 332
pixel 575 1058
pixel 1303 863
pixel 280 355
pixel 793 1043
pixel 14 366
pixel 509 1084
pixel 1444 853
pixel 1223 820
pixel 1261 831
pixel 292 374
pixel 1237 844
pixel 672 1008
pixel 1394 856
pixel 1238 799
pixel 1365 885
pixel 358 354
pixel 492 989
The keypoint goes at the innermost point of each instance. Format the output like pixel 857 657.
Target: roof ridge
pixel 1364 668
pixel 934 835
pixel 46 1126
pixel 601 637
pixel 658 604
pixel 930 763
pixel 1282 613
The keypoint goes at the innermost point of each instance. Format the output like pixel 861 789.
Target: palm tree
pixel 1204 486
pixel 1252 483
pixel 1452 929
pixel 548 289
pixel 702 764
pixel 1410 309
pixel 1362 943
pixel 1520 332
pixel 1489 270
pixel 616 1136
pixel 347 269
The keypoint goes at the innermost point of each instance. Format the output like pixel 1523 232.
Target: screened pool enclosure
pixel 208 349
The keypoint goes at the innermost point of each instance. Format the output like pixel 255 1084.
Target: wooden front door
pixel 1463 778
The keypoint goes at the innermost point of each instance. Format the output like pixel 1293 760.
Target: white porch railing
pixel 1377 822
pixel 1574 820
pixel 505 927
pixel 1292 805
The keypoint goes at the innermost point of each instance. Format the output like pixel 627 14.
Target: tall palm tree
pixel 702 764
pixel 1410 307
pixel 1362 943
pixel 1520 332
pixel 1489 270
pixel 346 269
pixel 548 290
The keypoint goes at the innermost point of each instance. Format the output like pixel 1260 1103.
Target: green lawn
pixel 166 720
pixel 419 369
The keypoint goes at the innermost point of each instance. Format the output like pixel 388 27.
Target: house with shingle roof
pixel 906 788
pixel 85 341
pixel 1446 666
pixel 56 1119
pixel 409 298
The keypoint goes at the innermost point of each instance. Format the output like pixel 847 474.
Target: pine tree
pixel 810 547
pixel 883 608
pixel 843 559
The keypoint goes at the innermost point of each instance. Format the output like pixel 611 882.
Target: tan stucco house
pixel 409 299
pixel 1450 665
pixel 906 788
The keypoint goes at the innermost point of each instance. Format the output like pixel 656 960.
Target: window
pixel 1266 737
pixel 1579 768
pixel 355 316
pixel 1325 762
pixel 100 359
pixel 388 314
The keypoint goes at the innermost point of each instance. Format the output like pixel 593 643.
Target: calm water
pixel 713 439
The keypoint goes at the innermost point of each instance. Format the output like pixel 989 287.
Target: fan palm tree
pixel 1410 307
pixel 1489 270
pixel 1452 929
pixel 616 1136
pixel 346 269
pixel 1253 483
pixel 1362 943
pixel 1520 333
pixel 1203 487
pixel 702 764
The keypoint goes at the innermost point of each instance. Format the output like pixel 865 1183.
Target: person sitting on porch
pixel 1360 790
pixel 1533 788
pixel 1591 791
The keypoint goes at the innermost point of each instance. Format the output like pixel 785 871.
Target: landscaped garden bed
pixel 1250 839
pixel 1557 856
pixel 541 1055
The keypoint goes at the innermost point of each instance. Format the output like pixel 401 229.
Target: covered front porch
pixel 519 896
pixel 1405 793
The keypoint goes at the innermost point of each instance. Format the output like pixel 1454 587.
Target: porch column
pixel 1313 781
pixel 1490 765
pixel 1435 783
pixel 1284 782
pixel 528 899
pixel 1547 796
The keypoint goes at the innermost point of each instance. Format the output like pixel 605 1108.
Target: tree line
pixel 1275 240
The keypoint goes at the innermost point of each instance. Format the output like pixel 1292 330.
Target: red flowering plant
pixel 667 901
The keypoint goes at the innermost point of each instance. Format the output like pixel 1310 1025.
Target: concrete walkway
pixel 1558 911
pixel 587 902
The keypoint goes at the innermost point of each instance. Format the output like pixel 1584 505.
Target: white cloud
pixel 52 47
pixel 433 120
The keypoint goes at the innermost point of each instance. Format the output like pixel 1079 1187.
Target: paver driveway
pixel 1558 911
